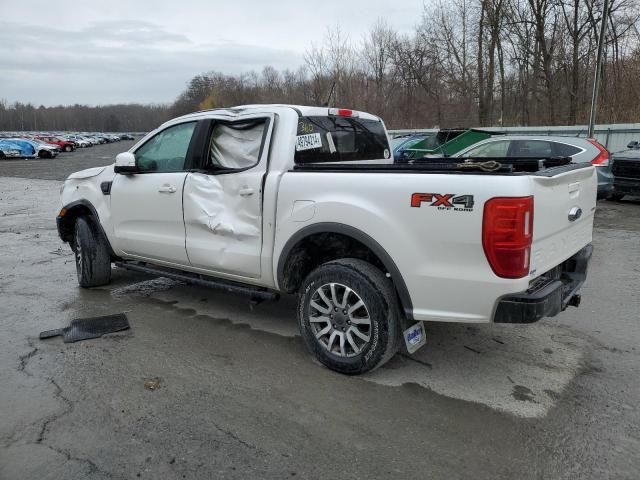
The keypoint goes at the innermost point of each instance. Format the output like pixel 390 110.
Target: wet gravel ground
pixel 206 385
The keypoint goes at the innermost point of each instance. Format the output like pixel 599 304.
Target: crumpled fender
pixel 85 185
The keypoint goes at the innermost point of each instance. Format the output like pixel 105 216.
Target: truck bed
pixel 547 167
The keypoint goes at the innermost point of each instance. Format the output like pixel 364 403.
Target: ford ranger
pixel 272 199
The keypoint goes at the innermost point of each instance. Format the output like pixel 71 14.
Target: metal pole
pixel 596 77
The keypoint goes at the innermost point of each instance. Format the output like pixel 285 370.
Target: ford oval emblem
pixel 575 213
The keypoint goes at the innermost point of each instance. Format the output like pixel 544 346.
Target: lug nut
pixel 336 309
pixel 344 311
pixel 348 322
pixel 343 329
pixel 334 325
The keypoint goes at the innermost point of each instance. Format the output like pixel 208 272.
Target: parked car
pixel 10 150
pixel 626 172
pixel 65 145
pixel 372 247
pixel 79 140
pixel 581 150
pixel 26 149
pixel 126 136
pixel 43 150
pixel 399 144
pixel 446 142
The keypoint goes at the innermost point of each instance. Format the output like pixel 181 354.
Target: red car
pixel 65 145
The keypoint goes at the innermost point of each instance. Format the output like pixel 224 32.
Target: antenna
pixel 331 93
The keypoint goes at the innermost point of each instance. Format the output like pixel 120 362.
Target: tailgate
pixel 564 207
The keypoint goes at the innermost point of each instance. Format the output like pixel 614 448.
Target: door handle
pixel 167 189
pixel 246 192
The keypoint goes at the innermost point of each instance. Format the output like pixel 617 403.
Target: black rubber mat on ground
pixel 85 328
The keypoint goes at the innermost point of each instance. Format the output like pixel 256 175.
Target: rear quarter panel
pixel 438 250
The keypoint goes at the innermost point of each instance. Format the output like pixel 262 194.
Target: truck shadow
pixel 518 369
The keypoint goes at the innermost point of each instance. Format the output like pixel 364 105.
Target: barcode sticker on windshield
pixel 308 142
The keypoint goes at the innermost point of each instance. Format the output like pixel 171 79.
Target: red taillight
pixel 602 160
pixel 507 233
pixel 342 112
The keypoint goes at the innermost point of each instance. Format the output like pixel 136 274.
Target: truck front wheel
pixel 348 316
pixel 93 260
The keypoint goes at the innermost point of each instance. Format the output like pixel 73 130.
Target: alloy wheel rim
pixel 339 320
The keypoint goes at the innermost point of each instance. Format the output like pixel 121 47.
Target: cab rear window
pixel 340 139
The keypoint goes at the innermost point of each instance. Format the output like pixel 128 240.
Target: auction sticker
pixel 308 142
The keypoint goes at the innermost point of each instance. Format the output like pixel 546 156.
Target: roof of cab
pixel 302 110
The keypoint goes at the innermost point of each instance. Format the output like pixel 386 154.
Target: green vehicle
pixel 446 142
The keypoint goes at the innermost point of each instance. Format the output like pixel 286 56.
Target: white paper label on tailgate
pixel 308 142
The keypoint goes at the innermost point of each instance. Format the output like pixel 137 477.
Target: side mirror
pixel 125 163
pixel 633 144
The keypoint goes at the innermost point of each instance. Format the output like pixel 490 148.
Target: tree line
pixel 466 63
pixel 83 118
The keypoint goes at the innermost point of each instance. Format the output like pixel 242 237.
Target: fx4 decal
pixel 445 201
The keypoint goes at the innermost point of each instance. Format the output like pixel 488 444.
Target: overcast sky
pixel 65 51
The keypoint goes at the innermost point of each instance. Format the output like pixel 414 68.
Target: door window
pixel 167 151
pixel 564 150
pixel 531 148
pixel 491 149
pixel 236 146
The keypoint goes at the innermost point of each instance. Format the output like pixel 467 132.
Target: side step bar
pixel 202 280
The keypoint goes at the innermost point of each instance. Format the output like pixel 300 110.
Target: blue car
pixel 25 149
pixel 9 151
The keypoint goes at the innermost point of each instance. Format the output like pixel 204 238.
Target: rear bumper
pixel 605 182
pixel 549 295
pixel 622 186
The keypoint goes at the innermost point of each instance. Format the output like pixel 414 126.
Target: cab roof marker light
pixel 343 112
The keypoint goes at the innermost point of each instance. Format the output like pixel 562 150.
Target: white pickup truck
pixel 270 199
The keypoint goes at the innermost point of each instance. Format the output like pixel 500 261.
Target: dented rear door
pixel 223 202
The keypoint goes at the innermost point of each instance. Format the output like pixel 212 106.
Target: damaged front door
pixel 223 203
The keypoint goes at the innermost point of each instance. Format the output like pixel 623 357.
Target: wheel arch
pixel 74 210
pixel 296 249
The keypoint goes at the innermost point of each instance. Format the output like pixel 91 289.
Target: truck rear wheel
pixel 349 317
pixel 93 260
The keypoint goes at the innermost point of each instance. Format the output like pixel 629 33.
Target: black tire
pixel 381 310
pixel 93 260
pixel 68 148
pixel 616 197
pixel 1 155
